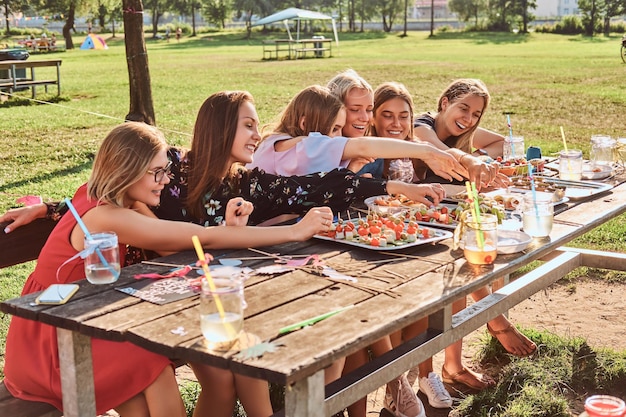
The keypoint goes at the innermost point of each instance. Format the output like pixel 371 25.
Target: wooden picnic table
pixel 423 281
pixel 14 81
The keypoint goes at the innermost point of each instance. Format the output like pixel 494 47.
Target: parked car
pixel 13 54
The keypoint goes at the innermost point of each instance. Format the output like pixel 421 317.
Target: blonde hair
pixel 123 159
pixel 388 91
pixel 342 83
pixel 458 90
pixel 317 105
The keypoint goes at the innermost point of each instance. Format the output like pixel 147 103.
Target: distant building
pixel 556 8
pixel 545 8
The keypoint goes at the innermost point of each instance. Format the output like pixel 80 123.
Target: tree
pixel 10 7
pixel 216 11
pixel 157 7
pixel 141 107
pixel 612 8
pixel 467 9
pixel 388 12
pixel 69 9
pixel 591 14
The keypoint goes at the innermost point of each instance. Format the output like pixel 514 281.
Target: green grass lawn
pixel 544 81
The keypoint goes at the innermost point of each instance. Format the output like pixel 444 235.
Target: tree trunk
pixel 141 107
pixel 68 26
pixel 6 17
pixel 193 18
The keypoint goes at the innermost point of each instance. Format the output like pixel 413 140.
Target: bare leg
pixel 354 361
pixel 501 328
pixel 218 395
pixel 254 395
pixel 135 407
pixel 453 370
pixel 163 397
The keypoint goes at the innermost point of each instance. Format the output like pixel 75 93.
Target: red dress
pixel 121 370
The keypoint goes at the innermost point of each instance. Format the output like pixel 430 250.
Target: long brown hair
pixel 458 90
pixel 211 146
pixel 122 160
pixel 317 105
pixel 388 91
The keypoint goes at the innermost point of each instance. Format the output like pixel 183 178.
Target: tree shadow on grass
pixel 479 38
pixel 50 175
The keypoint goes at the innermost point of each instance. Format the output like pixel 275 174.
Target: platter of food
pixel 378 233
pixel 574 190
pixel 443 215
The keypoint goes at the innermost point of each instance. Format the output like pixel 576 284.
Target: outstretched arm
pixel 145 232
pixel 442 163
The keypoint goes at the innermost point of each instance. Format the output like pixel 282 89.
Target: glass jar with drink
pixel 537 212
pixel 480 239
pixel 221 312
pixel 102 258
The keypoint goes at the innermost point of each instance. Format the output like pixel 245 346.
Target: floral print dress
pixel 271 195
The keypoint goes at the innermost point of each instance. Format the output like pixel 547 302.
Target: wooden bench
pixel 14 82
pixel 22 245
pixel 14 407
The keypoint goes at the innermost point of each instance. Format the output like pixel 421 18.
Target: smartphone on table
pixel 57 294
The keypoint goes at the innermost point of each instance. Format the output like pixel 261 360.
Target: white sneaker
pixel 401 400
pixel 432 387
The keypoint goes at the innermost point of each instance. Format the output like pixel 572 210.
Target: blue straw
pixel 88 235
pixel 508 121
pixel 532 189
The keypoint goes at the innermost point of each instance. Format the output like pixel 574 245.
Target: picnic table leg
pixel 76 374
pixel 58 78
pixel 306 397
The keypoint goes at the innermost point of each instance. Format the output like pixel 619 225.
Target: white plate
pixel 512 241
pixel 435 236
pixel 519 193
pixel 600 172
pixel 370 203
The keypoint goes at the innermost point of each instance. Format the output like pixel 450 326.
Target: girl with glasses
pixel 131 167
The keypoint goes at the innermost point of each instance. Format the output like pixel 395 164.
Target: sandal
pixel 470 379
pixel 525 342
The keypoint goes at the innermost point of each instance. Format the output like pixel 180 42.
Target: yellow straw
pixel 563 137
pixel 207 274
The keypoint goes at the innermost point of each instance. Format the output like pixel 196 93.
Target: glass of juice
pixel 102 259
pixel 480 239
pixel 221 312
pixel 604 405
pixel 537 214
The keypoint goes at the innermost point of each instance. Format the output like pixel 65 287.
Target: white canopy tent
pixel 296 14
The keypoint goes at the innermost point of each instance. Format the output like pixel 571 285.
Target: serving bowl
pixel 597 172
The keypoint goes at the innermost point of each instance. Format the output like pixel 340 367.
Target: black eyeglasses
pixel 161 172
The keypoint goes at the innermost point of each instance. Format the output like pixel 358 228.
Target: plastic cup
pixel 604 405
pixel 571 165
pixel 221 312
pixel 102 263
pixel 480 240
pixel 513 148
